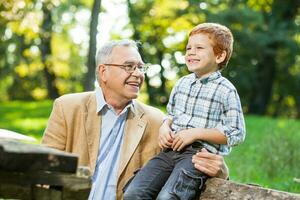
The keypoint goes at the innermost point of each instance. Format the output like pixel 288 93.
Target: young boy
pixel 204 111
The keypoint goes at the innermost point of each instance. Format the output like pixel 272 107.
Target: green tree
pixel 153 22
pixel 46 51
pixel 41 59
pixel 264 63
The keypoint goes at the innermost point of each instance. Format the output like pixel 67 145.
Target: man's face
pixel 200 57
pixel 118 84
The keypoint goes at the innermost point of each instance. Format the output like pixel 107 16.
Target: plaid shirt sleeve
pixel 233 125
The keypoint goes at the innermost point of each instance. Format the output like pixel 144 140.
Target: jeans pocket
pixel 187 184
pixel 130 180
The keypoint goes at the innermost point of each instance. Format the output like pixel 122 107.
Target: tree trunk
pixel 266 70
pixel 163 100
pixel 45 48
pixel 263 84
pixel 91 63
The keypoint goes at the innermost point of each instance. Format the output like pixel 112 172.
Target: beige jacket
pixel 74 126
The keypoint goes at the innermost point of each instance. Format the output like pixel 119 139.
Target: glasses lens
pixel 143 68
pixel 129 68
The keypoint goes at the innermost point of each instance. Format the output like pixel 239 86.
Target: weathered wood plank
pixel 217 189
pixel 13 191
pixel 44 186
pixel 7 134
pixel 78 195
pixel 21 157
pixel 46 194
pixel 68 181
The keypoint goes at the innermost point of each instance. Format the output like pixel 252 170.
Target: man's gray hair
pixel 103 54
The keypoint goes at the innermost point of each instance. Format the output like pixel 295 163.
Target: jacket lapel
pixel 133 133
pixel 92 122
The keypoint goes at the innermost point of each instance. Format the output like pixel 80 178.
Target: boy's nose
pixel 192 51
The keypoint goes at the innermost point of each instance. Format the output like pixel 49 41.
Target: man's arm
pixel 55 132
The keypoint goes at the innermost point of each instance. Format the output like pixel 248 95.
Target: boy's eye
pixel 199 48
pixel 188 48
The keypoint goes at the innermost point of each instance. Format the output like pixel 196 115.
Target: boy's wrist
pixel 197 134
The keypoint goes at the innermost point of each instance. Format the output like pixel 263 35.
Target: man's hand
pixel 166 136
pixel 211 164
pixel 182 139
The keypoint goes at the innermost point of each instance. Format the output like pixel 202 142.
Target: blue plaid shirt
pixel 209 102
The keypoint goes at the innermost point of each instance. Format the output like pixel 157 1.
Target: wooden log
pixel 46 194
pixel 43 185
pixel 13 191
pixel 69 181
pixel 21 157
pixel 7 134
pixel 219 189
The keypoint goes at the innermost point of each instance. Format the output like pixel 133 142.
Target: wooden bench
pixel 30 171
pixel 219 189
pixel 35 172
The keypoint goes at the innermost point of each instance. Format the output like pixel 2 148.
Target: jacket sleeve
pixel 55 132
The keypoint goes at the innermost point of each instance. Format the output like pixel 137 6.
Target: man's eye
pixel 129 66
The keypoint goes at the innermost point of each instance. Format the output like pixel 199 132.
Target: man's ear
pixel 221 57
pixel 102 73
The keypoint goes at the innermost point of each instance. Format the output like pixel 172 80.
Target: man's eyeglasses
pixel 130 68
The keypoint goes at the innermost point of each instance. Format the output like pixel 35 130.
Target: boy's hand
pixel 182 139
pixel 166 136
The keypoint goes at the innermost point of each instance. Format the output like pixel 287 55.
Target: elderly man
pixel 111 132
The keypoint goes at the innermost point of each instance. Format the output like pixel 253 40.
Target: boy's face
pixel 200 57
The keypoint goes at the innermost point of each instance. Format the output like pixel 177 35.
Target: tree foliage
pixel 40 58
pixel 265 63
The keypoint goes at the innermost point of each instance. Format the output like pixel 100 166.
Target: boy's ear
pixel 221 57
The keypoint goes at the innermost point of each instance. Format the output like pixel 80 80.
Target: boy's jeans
pixel 169 175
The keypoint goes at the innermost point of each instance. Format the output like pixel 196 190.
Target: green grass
pixel 28 118
pixel 270 155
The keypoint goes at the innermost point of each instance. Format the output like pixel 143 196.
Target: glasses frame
pixel 130 68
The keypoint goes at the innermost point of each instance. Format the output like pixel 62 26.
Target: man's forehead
pixel 126 53
pixel 124 49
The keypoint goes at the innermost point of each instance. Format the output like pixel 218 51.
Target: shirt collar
pixel 100 99
pixel 101 103
pixel 210 77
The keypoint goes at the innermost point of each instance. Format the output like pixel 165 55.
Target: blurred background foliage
pixel 44 54
pixel 41 56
